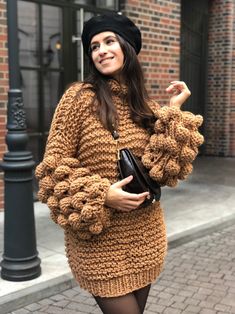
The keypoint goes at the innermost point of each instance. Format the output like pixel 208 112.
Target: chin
pixel 110 73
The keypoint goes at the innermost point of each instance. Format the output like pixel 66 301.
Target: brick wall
pixel 159 22
pixel 3 87
pixel 220 111
pixel 232 98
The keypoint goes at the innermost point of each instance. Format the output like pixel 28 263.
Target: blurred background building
pixel 190 40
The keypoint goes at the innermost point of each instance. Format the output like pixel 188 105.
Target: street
pixel 199 277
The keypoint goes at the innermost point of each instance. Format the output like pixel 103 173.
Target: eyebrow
pixel 96 42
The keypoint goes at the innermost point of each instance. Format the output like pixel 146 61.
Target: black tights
pixel 131 303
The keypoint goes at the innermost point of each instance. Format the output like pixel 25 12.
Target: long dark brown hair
pixel 137 96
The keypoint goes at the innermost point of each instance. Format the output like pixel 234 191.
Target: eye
pixel 94 47
pixel 110 41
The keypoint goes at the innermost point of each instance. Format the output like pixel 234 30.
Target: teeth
pixel 106 59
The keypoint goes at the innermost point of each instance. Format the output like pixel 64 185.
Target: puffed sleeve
pixel 74 196
pixel 173 146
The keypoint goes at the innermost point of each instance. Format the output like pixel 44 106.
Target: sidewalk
pixel 203 203
pixel 198 278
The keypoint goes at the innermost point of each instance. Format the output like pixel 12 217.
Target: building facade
pixel 190 40
pixel 3 88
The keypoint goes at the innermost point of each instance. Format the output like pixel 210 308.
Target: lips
pixel 105 59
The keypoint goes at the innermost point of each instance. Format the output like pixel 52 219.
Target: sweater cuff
pixel 76 198
pixel 174 146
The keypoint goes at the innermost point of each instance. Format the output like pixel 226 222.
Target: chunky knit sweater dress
pixel 111 253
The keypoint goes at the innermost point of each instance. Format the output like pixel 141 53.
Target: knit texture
pixel 110 253
pixel 174 146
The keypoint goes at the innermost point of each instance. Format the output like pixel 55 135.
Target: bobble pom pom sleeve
pixel 74 196
pixel 173 146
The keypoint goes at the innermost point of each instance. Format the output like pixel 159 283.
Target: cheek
pixel 121 56
pixel 121 59
pixel 95 62
pixel 92 57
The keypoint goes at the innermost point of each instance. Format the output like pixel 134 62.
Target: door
pixel 51 58
pixel 193 63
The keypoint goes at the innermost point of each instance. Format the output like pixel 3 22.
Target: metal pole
pixel 20 258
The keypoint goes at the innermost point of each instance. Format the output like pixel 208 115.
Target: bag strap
pixel 115 136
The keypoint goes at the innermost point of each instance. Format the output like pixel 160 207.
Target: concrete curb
pixel 200 231
pixel 35 293
pixel 56 285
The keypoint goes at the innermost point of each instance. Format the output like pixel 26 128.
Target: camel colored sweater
pixel 111 253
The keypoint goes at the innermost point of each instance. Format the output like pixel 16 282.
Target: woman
pixel 115 248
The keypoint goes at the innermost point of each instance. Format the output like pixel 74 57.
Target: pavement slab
pixel 199 262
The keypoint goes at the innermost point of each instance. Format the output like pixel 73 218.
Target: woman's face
pixel 107 54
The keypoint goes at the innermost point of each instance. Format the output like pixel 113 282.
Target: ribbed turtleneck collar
pixel 117 88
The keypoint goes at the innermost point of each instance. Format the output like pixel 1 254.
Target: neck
pixel 119 78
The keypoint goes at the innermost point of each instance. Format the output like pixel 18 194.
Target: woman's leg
pixel 141 297
pixel 126 304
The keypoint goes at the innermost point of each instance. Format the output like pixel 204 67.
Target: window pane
pixel 85 2
pixel 28 33
pixel 30 98
pixel 104 4
pixel 52 36
pixel 52 93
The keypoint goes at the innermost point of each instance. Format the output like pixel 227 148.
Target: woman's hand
pixel 179 91
pixel 121 200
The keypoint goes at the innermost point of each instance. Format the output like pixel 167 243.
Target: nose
pixel 103 49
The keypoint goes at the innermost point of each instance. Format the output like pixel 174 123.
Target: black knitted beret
pixel 113 22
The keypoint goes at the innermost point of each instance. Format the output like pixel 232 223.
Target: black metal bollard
pixel 20 258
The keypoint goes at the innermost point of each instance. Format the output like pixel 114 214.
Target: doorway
pixel 193 61
pixel 51 58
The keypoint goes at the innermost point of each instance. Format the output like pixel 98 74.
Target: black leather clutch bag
pixel 129 164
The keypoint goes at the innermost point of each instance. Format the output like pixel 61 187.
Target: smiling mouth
pixel 106 59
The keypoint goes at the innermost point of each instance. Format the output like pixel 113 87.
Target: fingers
pixel 131 201
pixel 131 205
pixel 134 204
pixel 121 200
pixel 134 196
pixel 123 182
pixel 178 86
pixel 179 93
